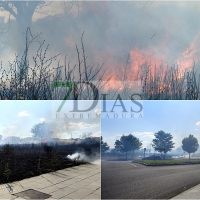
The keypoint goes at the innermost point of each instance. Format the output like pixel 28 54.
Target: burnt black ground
pixel 125 180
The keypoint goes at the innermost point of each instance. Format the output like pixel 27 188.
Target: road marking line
pixel 134 165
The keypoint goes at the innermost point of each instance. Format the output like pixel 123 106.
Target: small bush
pixel 7 171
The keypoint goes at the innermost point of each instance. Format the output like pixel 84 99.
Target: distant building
pixel 11 140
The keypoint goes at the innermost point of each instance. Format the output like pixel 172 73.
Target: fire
pixel 189 56
pixel 139 61
pixel 153 60
pixel 144 58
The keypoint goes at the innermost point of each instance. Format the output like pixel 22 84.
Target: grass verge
pixel 167 162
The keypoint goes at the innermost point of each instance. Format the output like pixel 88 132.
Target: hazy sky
pixel 180 118
pixel 18 117
pixel 165 32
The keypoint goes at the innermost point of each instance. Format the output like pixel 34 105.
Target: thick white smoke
pixel 80 156
pixel 77 156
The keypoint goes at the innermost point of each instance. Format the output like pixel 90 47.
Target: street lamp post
pixel 144 151
pixel 150 150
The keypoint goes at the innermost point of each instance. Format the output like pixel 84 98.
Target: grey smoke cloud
pixel 63 128
pixel 163 29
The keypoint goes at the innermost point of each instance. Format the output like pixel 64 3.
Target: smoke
pixel 160 34
pixel 63 128
pixel 157 33
pixel 77 156
pixel 80 156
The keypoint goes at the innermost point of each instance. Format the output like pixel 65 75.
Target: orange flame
pixel 139 60
pixel 189 56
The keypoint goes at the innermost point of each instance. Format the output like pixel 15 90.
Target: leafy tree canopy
pixel 128 143
pixel 163 142
pixel 190 144
pixel 104 145
pixel 41 131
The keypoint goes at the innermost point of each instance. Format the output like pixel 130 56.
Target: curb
pixel 152 165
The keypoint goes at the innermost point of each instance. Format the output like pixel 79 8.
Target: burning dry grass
pixel 152 82
pixel 158 83
pixel 171 84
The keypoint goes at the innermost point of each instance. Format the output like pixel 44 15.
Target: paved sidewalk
pixel 79 182
pixel 192 193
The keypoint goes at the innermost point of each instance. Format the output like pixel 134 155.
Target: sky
pixel 179 118
pixel 157 33
pixel 18 117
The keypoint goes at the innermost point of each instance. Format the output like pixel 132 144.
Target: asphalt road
pixel 125 180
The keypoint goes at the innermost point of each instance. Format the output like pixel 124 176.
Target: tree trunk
pixel 25 11
pixel 133 154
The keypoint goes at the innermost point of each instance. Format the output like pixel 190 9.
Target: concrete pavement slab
pixel 79 194
pixel 91 196
pixel 97 192
pixel 79 182
pixel 61 193
pixel 192 193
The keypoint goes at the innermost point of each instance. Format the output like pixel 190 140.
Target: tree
pixel 128 143
pixel 41 131
pixel 190 144
pixel 104 145
pixel 22 11
pixel 163 142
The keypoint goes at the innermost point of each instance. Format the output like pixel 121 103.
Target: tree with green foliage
pixel 128 143
pixel 41 131
pixel 190 144
pixel 163 142
pixel 104 145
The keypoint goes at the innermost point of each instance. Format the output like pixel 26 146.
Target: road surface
pixel 126 180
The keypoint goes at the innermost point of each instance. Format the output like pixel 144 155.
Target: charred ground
pixel 21 161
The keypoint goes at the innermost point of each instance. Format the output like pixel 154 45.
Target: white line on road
pixel 134 165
